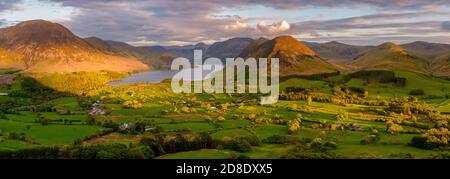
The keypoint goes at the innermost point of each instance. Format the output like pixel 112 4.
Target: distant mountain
pixel 227 49
pixel 154 56
pixel 390 56
pixel 337 51
pixel 157 49
pixel 430 51
pixel 295 58
pixel 42 46
pixel 186 51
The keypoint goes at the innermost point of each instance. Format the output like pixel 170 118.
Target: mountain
pixel 227 49
pixel 441 66
pixel 428 50
pixel 295 58
pixel 337 51
pixel 158 49
pixel 102 45
pixel 42 46
pixel 391 57
pixel 156 57
pixel 253 46
pixel 186 51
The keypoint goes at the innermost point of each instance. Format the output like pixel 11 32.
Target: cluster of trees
pixel 219 119
pixel 275 119
pixel 393 128
pixel 301 96
pixel 17 136
pixel 301 90
pixel 240 143
pixel 132 104
pixel 350 92
pixel 171 143
pixel 107 151
pixel 378 76
pixel 433 138
pixel 317 148
pixel 295 124
pixel 137 127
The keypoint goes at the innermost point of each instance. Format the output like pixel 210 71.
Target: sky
pixel 176 22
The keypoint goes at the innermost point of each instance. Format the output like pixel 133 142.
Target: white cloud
pixel 275 28
pixel 238 25
pixel 260 29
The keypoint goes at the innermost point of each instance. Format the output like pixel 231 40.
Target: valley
pixel 386 101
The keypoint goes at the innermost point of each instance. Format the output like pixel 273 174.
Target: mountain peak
pixel 229 48
pixel 295 58
pixel 392 47
pixel 290 45
pixel 334 43
pixel 38 33
pixel 389 56
pixel 42 46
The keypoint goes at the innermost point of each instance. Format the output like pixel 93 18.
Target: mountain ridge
pixel 390 56
pixel 295 57
pixel 43 46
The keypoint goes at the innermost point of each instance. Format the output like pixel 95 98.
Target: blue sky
pixel 172 22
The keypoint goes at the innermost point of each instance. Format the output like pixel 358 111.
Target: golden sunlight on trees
pixel 393 128
pixel 133 104
pixel 294 125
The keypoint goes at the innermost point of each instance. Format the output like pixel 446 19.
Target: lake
pixel 159 75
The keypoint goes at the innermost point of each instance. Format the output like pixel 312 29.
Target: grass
pixel 73 117
pixel 230 133
pixel 14 145
pixel 148 110
pixel 153 96
pixel 8 71
pixel 265 131
pixel 50 134
pixel 259 152
pixel 26 117
pixel 430 85
pixel 60 134
pixel 67 103
pixel 199 154
pixel 231 124
pixel 196 127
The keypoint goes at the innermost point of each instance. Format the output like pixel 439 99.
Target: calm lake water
pixel 158 76
pixel 147 76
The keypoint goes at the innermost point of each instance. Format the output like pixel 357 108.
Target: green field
pixel 135 112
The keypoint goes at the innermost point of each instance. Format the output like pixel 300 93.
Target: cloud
pixel 261 29
pixel 238 25
pixel 446 25
pixel 274 28
pixel 145 22
pixel 9 4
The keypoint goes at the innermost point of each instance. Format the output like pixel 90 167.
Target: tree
pixel 293 126
pixel 342 116
pixel 393 128
pixel 309 100
pixel 439 136
pixel 133 104
pixel 366 94
pixel 220 119
pixel 433 138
